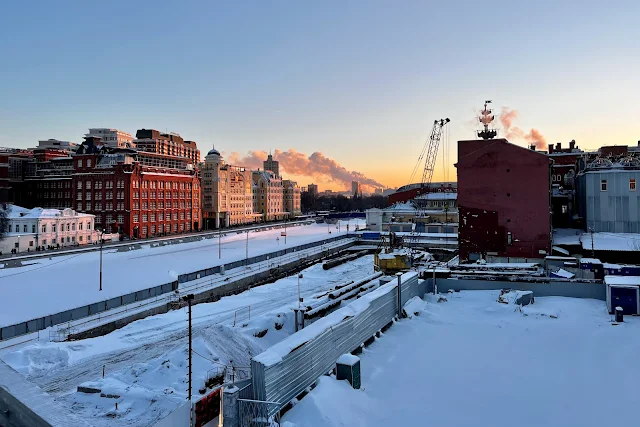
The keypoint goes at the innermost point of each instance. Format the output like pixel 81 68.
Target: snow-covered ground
pixel 50 286
pixel 472 361
pixel 146 361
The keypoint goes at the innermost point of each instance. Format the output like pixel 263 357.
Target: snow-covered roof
pixel 590 261
pixel 438 196
pixel 622 280
pixel 627 242
pixel 15 212
pixel 563 273
pixel 407 206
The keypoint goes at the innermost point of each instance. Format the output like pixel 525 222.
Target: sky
pixel 359 81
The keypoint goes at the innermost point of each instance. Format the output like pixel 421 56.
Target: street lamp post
pixel 219 243
pixel 299 299
pixel 189 298
pixel 101 242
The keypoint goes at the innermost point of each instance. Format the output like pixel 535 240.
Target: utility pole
pixel 101 242
pixel 593 253
pixel 219 243
pixel 188 299
pixel 247 250
pixel 299 299
pixel 285 231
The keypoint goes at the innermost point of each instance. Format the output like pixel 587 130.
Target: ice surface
pixel 66 282
pixel 475 362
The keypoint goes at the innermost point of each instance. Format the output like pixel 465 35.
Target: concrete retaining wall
pixel 544 288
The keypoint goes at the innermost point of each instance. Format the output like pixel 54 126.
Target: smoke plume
pixel 534 136
pixel 316 165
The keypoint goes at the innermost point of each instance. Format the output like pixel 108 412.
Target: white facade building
pixel 44 228
pixel 112 137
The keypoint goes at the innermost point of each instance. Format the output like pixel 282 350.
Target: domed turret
pixel 213 152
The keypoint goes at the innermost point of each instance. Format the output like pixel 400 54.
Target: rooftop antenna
pixel 486 117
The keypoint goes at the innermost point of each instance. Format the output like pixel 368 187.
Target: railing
pixel 285 370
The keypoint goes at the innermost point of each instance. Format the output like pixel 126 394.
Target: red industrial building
pixel 411 191
pixel 137 194
pixel 503 201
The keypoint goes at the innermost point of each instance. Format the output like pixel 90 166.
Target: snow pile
pixel 413 307
pixel 563 274
pixel 348 359
pixel 533 369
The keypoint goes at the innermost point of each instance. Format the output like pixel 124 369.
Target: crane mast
pixel 432 152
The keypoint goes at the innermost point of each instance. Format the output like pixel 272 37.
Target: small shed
pixel 348 368
pixel 594 265
pixel 623 291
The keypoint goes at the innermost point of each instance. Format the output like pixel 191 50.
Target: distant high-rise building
pixel 312 189
pixel 355 189
pixel 272 165
pixel 112 137
pixel 378 191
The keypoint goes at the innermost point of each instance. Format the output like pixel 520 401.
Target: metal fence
pixel 254 413
pixel 67 316
pixel 280 378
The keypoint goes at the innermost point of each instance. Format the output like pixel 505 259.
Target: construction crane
pixel 431 150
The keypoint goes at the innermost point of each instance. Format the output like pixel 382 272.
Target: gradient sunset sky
pixel 359 81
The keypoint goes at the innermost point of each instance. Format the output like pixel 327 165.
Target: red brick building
pixel 138 194
pixel 503 200
pixel 170 144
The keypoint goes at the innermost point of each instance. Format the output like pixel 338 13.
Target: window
pixel 88 163
pixel 88 226
pixel 153 217
pixel 79 206
pixel 73 238
pixel 144 217
pixel 53 228
pixel 136 218
pixel 73 226
pixel 109 219
pixel 88 195
pixel 80 239
pixel 88 185
pixel 564 209
pixel 632 184
pixel 44 241
pixel 120 219
pixel 24 228
pixel 79 195
pixel 30 242
pixel 603 185
pixel 88 206
pixel 44 228
pixel 160 217
pixel 80 163
pixel 153 229
pixel 509 238
pixel 79 226
pixel 33 228
pixel 79 185
pixel 54 241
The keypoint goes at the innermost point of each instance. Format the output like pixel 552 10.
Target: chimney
pixel 558 146
pixel 550 148
pixel 532 147
pixel 572 144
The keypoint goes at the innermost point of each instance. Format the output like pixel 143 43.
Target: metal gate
pixel 255 413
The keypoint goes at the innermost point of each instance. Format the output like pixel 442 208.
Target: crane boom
pixel 432 153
